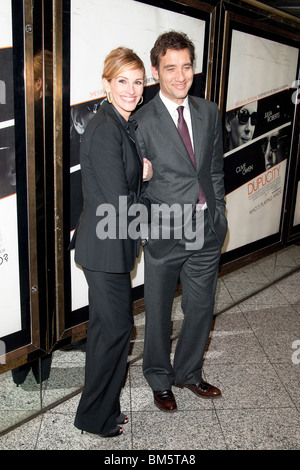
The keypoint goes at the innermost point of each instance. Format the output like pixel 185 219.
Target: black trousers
pixel 108 339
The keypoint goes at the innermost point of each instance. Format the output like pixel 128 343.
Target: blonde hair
pixel 121 59
pixel 47 62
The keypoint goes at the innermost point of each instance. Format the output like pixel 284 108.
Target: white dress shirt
pixel 172 108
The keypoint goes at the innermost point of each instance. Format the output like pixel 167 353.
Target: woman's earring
pixel 141 100
pixel 108 96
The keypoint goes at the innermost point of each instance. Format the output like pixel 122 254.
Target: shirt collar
pixel 171 105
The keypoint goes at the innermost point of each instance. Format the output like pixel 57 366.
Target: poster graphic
pixel 258 128
pixel 97 27
pixel 10 316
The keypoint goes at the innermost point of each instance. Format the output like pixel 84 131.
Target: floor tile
pixel 191 430
pixel 256 429
pixel 23 437
pixel 289 375
pixel 249 386
pixel 253 356
pixel 276 329
pixel 233 341
pixel 58 432
pixel 270 297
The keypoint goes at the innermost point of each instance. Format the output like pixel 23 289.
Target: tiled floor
pixel 253 356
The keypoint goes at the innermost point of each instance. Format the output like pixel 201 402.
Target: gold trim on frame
pixel 58 166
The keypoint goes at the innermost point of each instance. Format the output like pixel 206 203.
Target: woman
pixel 112 171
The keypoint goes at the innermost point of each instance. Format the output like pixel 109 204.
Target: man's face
pixel 175 73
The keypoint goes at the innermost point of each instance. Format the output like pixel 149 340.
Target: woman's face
pixel 242 130
pixel 125 90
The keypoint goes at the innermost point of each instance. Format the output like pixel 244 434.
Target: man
pixel 178 181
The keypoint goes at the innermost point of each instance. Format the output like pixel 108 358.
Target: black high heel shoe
pixel 117 431
pixel 122 419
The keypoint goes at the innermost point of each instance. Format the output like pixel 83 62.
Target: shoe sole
pixel 164 409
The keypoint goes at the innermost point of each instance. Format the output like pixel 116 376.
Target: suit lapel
pixel 166 125
pixel 197 125
pixel 134 144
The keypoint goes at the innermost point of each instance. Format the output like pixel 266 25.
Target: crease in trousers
pixel 198 274
pixel 108 340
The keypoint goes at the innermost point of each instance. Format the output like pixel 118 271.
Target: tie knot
pixel 180 110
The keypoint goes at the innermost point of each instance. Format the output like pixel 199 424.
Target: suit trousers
pixel 108 340
pixel 197 270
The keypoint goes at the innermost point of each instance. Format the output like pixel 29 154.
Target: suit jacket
pixel 110 167
pixel 175 179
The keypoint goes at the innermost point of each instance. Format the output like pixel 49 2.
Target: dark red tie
pixel 185 135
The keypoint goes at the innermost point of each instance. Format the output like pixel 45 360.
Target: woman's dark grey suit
pixel 111 168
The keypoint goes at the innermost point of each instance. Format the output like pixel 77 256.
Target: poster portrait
pixel 10 308
pixel 96 29
pixel 258 127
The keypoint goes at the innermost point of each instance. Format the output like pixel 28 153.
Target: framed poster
pixel 296 218
pixel 259 70
pixel 293 209
pixel 19 297
pixel 91 30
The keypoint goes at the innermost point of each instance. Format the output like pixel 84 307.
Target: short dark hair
pixel 171 40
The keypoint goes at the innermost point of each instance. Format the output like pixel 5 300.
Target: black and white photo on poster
pixel 258 127
pixel 96 29
pixel 7 137
pixel 6 86
pixel 262 138
pixel 7 162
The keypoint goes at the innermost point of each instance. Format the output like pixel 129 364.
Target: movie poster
pixel 10 309
pixel 297 207
pixel 258 130
pixel 96 29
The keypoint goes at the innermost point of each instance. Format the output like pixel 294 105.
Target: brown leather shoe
pixel 202 389
pixel 165 401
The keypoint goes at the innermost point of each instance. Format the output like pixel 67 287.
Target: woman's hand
pixel 147 170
